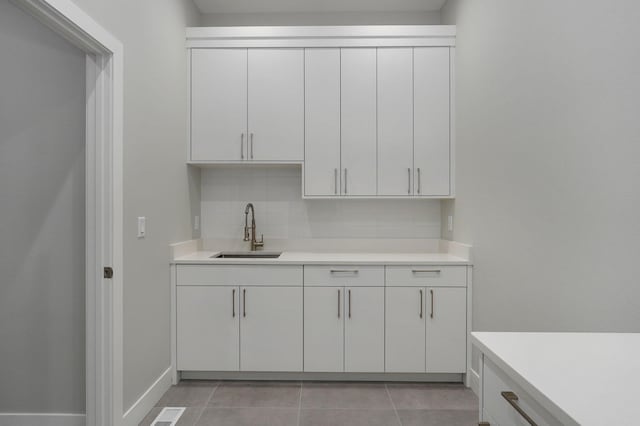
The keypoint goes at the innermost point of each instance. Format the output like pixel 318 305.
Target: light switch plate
pixel 450 223
pixel 142 226
pixel 196 223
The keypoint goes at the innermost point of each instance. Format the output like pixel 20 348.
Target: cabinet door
pixel 276 104
pixel 324 329
pixel 364 330
pixel 405 330
pixel 322 122
pixel 271 329
pixel 395 121
pixel 358 121
pixel 431 121
pixel 208 328
pixel 218 104
pixel 446 330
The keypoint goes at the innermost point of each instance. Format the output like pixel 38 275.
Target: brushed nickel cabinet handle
pixel 233 303
pixel 349 303
pixel 338 303
pixel 335 181
pixel 421 304
pixel 244 302
pixel 512 399
pixel 345 180
pixel 409 180
pixel 252 146
pixel 426 271
pixel 344 271
pixel 419 182
pixel 484 424
pixel 431 303
pixel 242 146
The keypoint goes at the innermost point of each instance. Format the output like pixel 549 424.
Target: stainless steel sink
pixel 247 255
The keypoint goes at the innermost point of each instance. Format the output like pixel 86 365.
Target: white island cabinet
pixel 550 379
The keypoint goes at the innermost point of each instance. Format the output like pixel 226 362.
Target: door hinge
pixel 108 272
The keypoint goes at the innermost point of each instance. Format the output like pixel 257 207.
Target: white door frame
pixel 104 202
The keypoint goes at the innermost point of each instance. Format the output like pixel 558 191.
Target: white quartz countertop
pixel 580 378
pixel 308 258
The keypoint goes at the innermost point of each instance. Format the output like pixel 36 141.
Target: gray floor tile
pixel 257 394
pixel 188 418
pixel 344 417
pixel 439 417
pixel 345 395
pixel 248 417
pixel 188 394
pixel 437 396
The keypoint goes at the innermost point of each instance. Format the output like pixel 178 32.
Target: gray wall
pixel 42 218
pixel 342 18
pixel 548 162
pixel 157 183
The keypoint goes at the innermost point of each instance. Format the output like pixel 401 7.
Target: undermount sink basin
pixel 247 255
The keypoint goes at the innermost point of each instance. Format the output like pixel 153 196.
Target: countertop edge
pixel 539 396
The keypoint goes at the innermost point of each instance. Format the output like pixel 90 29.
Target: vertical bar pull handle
pixel 409 180
pixel 419 182
pixel 242 146
pixel 244 302
pixel 233 303
pixel 345 180
pixel 252 146
pixel 349 303
pixel 335 181
pixel 431 303
pixel 338 303
pixel 421 304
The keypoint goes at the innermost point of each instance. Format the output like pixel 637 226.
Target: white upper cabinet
pixel 395 121
pixel 276 104
pixel 432 145
pixel 366 110
pixel 358 121
pixel 218 104
pixel 322 122
pixel 247 105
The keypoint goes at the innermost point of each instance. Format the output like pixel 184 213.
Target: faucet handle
pixel 261 242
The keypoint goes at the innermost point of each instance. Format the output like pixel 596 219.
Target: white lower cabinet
pixel 446 330
pixel 405 330
pixel 324 329
pixel 426 329
pixel 343 319
pixel 271 329
pixel 364 330
pixel 208 328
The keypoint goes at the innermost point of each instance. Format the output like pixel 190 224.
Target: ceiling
pixel 316 6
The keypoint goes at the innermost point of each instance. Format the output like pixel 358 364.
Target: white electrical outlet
pixel 142 226
pixel 196 223
pixel 450 223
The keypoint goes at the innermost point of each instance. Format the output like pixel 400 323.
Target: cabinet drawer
pixel 427 276
pixel 276 275
pixel 494 382
pixel 350 275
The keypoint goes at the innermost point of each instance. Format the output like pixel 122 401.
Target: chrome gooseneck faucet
pixel 254 243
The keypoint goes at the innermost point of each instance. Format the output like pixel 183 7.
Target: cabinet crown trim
pixel 322 36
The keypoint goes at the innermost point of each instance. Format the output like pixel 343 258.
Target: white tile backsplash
pixel 281 212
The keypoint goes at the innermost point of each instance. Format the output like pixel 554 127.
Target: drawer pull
pixel 426 271
pixel 512 399
pixel 344 271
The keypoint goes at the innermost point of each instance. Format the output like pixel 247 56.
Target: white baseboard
pixel 147 401
pixel 41 419
pixel 474 382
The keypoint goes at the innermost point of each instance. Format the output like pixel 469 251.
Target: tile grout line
pixel 206 404
pixel 300 403
pixel 393 404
